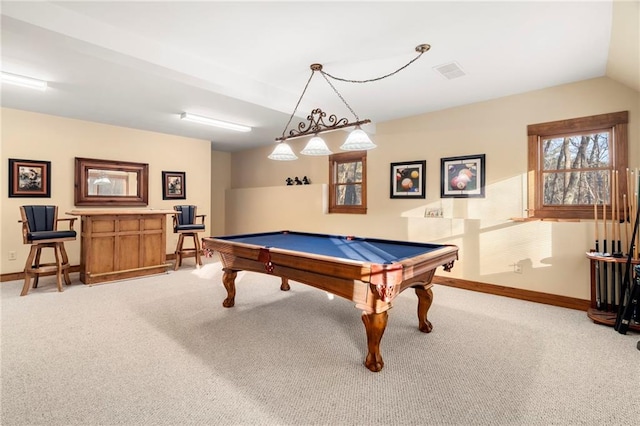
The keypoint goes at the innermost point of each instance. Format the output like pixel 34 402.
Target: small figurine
pixel 306 181
pixel 298 181
pixel 289 181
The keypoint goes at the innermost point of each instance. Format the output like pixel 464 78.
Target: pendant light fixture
pixel 316 124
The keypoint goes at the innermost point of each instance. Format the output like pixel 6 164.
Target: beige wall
pixel 247 192
pixel 220 182
pixel 623 64
pixel 551 254
pixel 33 136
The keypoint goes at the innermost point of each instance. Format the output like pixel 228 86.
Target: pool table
pixel 370 272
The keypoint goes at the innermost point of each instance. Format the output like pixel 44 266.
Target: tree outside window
pixel 348 182
pixel 576 169
pixel 573 164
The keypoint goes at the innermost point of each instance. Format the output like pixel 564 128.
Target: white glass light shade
pixel 316 146
pixel 282 152
pixel 357 140
pixel 102 181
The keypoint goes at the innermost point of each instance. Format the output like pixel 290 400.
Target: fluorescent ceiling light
pixel 212 122
pixel 23 81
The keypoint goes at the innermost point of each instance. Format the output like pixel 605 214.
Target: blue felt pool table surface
pixel 343 247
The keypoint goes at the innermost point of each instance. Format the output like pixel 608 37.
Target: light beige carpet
pixel 163 351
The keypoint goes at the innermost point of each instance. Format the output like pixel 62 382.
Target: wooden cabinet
pixel 119 244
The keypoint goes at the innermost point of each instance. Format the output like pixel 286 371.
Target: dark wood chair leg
pixel 36 265
pixel 179 252
pixel 196 243
pixel 65 264
pixel 58 256
pixel 28 270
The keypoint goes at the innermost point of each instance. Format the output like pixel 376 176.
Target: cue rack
pixel 615 275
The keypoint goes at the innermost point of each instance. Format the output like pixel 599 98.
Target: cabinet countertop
pixel 109 212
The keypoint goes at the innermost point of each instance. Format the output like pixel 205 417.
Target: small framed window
pixel 348 182
pixel 573 165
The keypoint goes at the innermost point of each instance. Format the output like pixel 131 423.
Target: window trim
pixel 347 157
pixel 615 122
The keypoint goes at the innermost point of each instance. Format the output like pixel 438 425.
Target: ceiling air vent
pixel 450 71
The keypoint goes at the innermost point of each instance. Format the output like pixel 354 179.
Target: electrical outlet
pixel 517 268
pixel 12 255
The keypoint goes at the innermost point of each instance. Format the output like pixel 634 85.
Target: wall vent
pixel 450 71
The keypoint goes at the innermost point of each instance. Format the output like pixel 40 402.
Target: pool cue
pixel 618 253
pixel 597 262
pixel 632 191
pixel 626 217
pixel 630 211
pixel 613 239
pixel 605 274
pixel 617 281
pixel 628 214
pixel 626 309
pixel 627 222
pixel 632 207
pixel 630 201
pixel 635 210
pixel 615 216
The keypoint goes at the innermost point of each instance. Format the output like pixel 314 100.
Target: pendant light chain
pixel 421 49
pixel 340 96
pixel 298 104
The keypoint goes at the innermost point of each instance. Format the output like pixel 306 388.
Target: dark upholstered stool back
pixel 186 219
pixel 41 218
pixel 42 224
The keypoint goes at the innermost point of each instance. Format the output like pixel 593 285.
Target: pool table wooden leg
pixel 375 325
pixel 284 286
pixel 229 281
pixel 425 298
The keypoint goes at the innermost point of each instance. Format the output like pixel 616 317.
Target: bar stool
pixel 40 229
pixel 185 223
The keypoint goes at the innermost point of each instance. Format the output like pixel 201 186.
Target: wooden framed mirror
pixel 110 183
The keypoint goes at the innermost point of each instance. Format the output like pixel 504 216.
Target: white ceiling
pixel 140 64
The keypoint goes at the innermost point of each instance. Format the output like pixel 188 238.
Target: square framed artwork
pixel 29 178
pixel 408 179
pixel 462 177
pixel 174 186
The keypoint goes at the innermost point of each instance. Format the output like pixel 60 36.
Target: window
pixel 348 182
pixel 573 165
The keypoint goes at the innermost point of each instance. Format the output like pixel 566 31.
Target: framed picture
pixel 408 179
pixel 462 177
pixel 174 186
pixel 29 178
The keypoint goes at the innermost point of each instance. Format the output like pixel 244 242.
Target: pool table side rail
pixel 345 268
pixel 443 256
pixel 347 288
pixel 326 265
